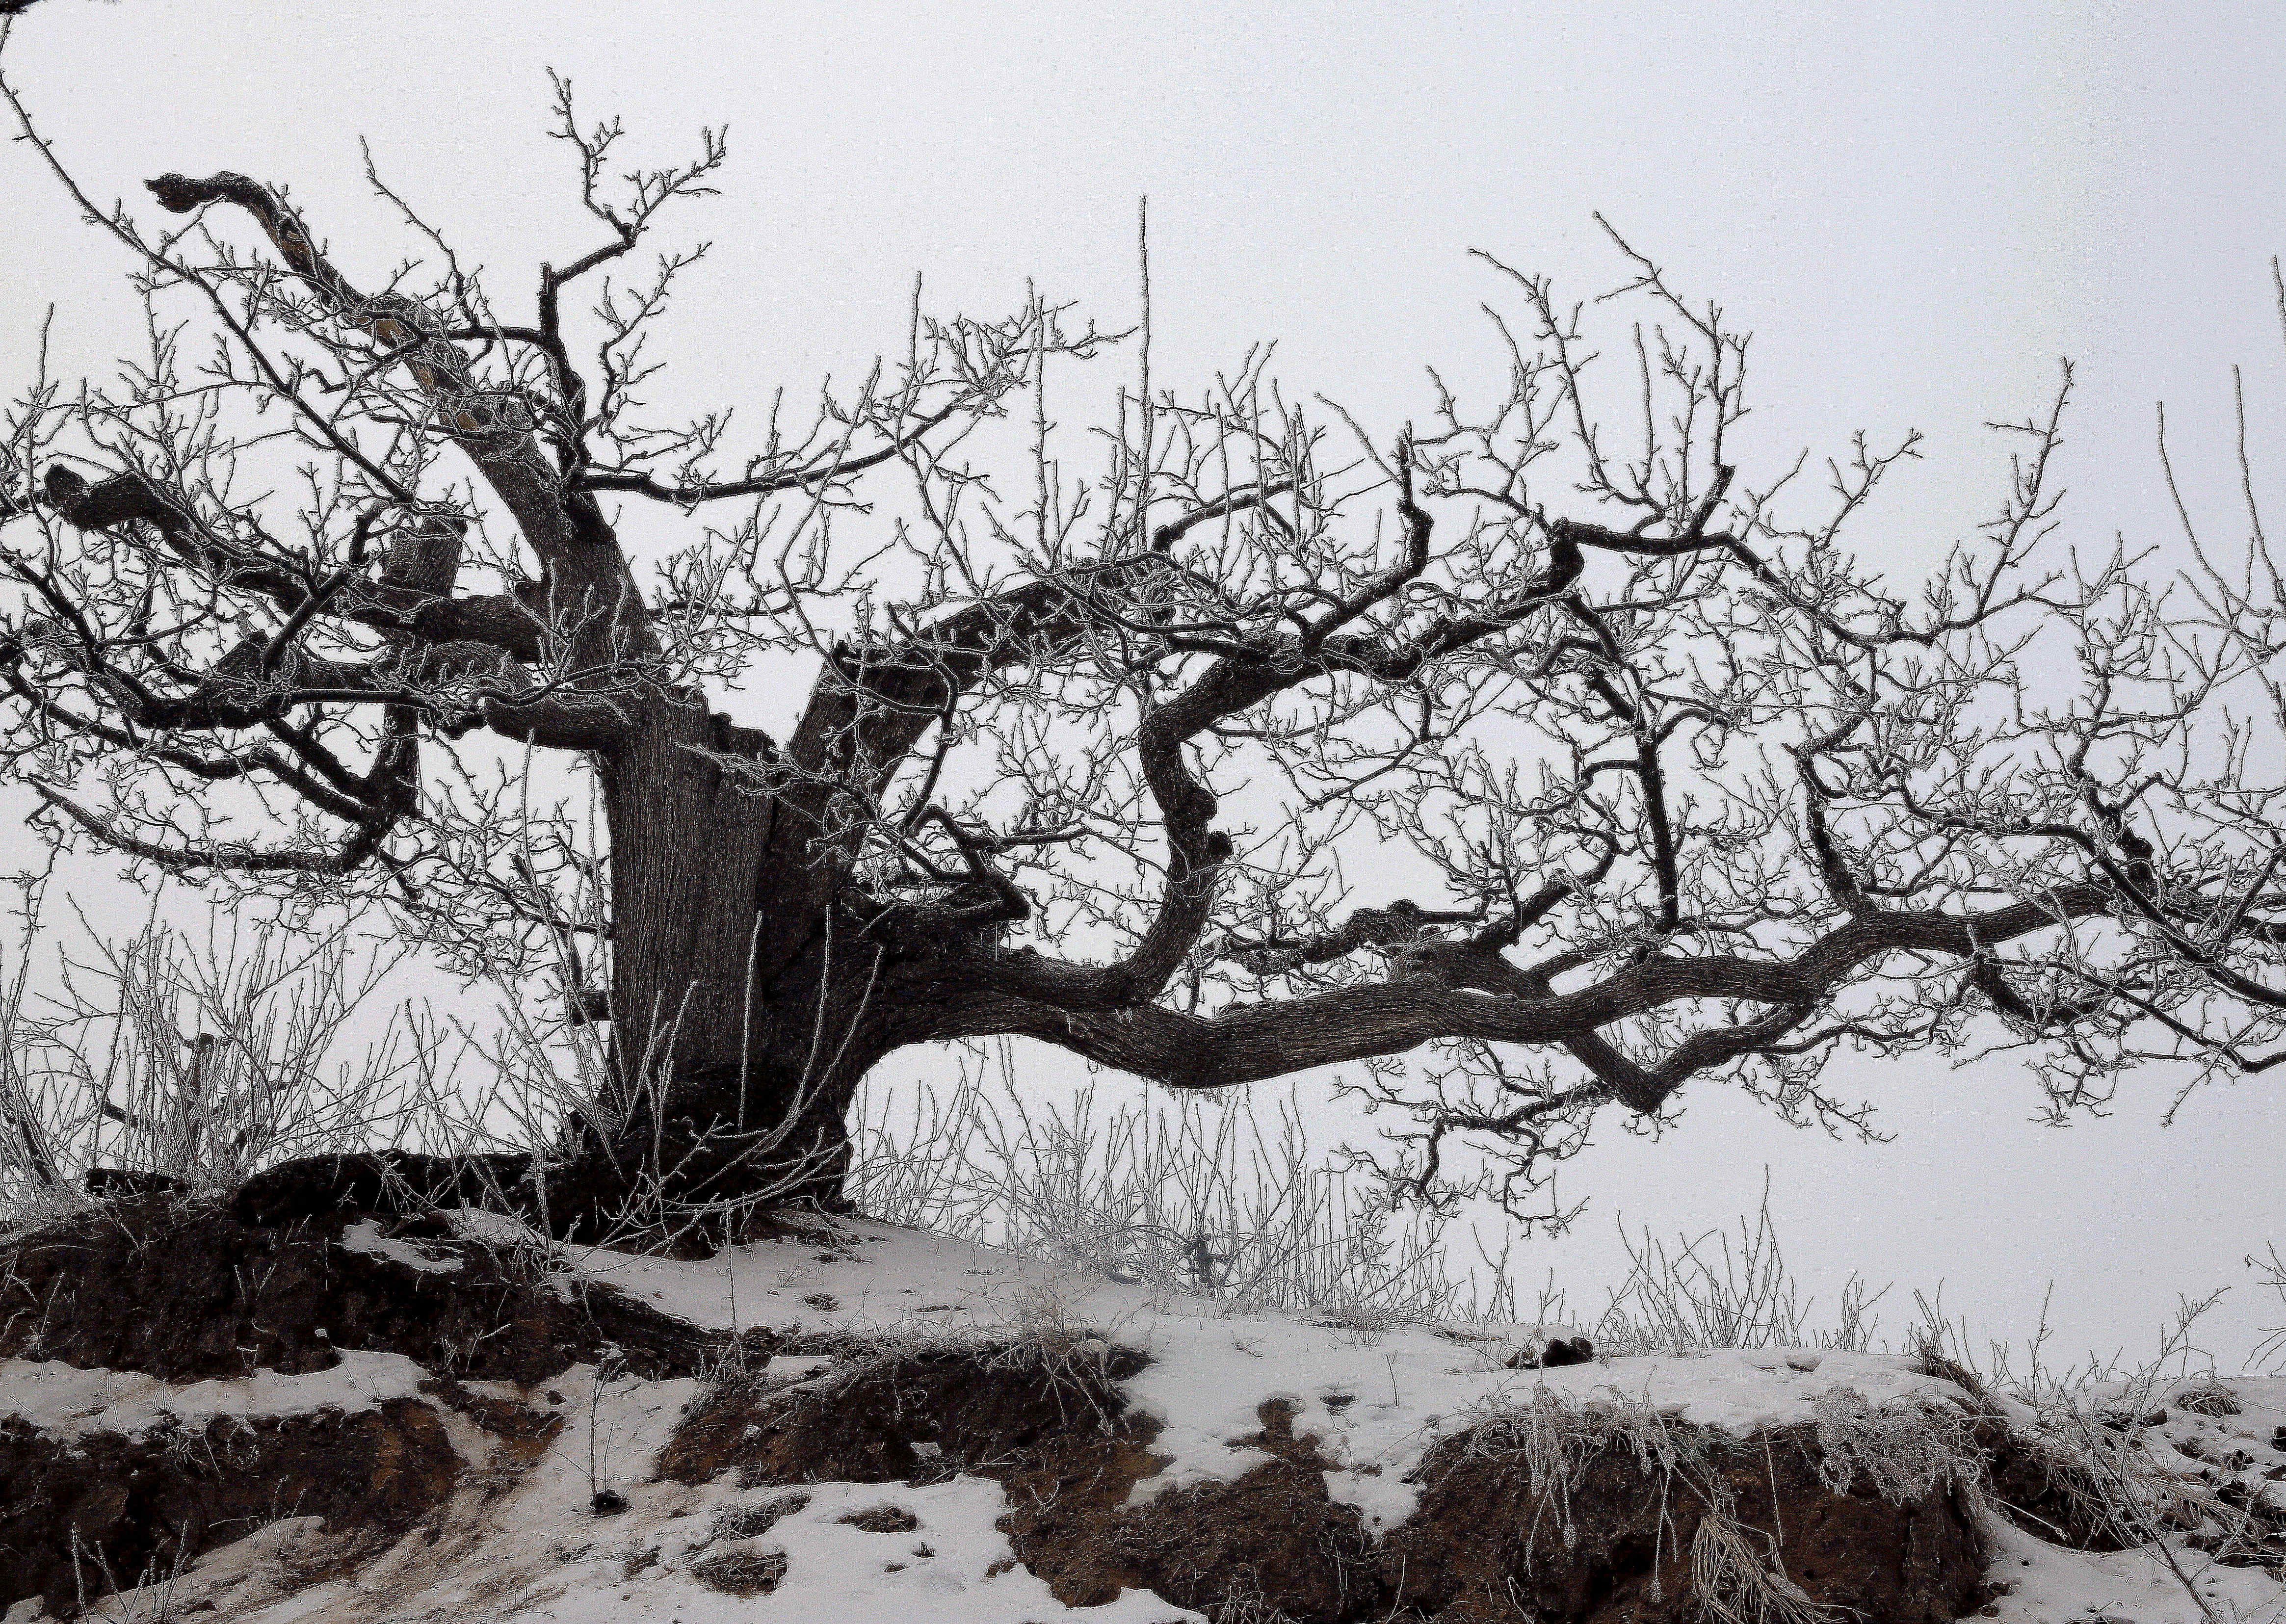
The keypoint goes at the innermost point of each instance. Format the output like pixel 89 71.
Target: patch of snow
pixel 2046 1583
pixel 795 1367
pixel 64 1401
pixel 365 1236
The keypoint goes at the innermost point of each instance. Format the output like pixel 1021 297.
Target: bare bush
pixel 1178 1196
pixel 199 1059
pixel 2090 1435
pixel 1704 1292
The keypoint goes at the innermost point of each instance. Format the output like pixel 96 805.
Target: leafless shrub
pixel 1739 1579
pixel 201 1058
pixel 1708 1293
pixel 1204 1200
pixel 2091 1434
pixel 2270 1270
pixel 1906 1451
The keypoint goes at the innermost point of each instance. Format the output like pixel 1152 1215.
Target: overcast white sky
pixel 1916 209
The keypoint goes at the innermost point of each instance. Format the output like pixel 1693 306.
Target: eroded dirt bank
pixel 367 1416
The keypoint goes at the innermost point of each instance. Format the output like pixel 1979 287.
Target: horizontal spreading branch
pixel 514 622
pixel 1472 994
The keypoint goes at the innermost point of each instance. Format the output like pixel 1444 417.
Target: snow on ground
pixel 522 1542
pixel 1375 1400
pixel 534 1551
pixel 2046 1583
pixel 66 1401
pixel 365 1236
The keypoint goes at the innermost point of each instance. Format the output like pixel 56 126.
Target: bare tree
pixel 1660 782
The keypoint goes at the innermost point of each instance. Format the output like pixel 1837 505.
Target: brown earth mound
pixel 105 1511
pixel 1617 1545
pixel 181 1289
pixel 891 1415
pixel 584 1196
pixel 161 1282
pixel 1272 1539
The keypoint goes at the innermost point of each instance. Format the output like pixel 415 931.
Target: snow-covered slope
pixel 1373 1398
pixel 521 1540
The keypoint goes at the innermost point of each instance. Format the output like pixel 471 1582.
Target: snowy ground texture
pixel 532 1550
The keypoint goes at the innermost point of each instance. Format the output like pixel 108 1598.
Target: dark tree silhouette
pixel 310 597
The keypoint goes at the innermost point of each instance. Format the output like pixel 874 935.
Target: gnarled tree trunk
pixel 740 1027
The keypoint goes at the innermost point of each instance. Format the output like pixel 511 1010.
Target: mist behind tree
pixel 1686 790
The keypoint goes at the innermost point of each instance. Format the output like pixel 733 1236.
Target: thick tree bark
pixel 686 847
pixel 741 1023
pixel 692 1178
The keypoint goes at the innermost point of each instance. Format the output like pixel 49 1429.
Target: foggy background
pixel 1916 210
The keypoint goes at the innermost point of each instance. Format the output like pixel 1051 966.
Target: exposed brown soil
pixel 926 1412
pixel 1482 1546
pixel 180 1289
pixel 1272 1537
pixel 134 1509
pixel 1616 1549
pixel 1055 1431
pixel 183 1289
pixel 388 1181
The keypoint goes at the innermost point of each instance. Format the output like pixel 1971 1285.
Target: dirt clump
pixel 881 1519
pixel 182 1289
pixel 1272 1539
pixel 741 1573
pixel 105 1511
pixel 898 1414
pixel 1621 1537
pixel 744 1522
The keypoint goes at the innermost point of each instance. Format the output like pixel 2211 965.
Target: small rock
pixel 1803 1362
pixel 608 1503
pixel 786 1367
